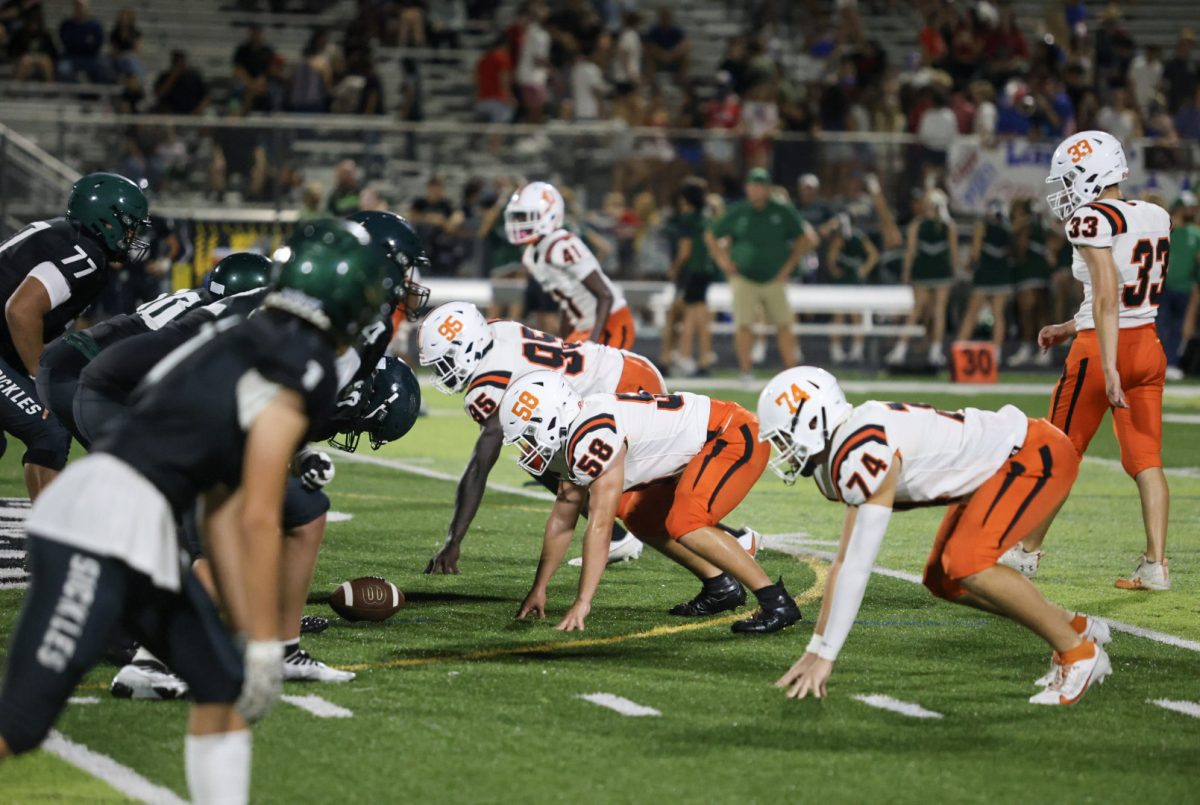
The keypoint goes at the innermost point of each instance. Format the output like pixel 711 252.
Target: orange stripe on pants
pixel 712 485
pixel 1079 401
pixel 619 331
pixel 640 375
pixel 1021 495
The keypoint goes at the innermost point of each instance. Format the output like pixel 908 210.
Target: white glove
pixel 263 685
pixel 314 467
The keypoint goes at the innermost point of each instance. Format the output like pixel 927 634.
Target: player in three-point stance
pixel 593 309
pixel 669 465
pixel 1000 473
pixel 1116 361
pixel 102 538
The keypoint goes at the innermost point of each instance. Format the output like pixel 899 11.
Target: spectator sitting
pixel 344 197
pixel 1179 73
pixel 82 39
pixel 432 214
pixel 1120 119
pixel 126 40
pixel 251 67
pixel 668 46
pixel 180 90
pixel 360 92
pixel 312 81
pixel 1187 119
pixel 1145 74
pixel 494 100
pixel 33 50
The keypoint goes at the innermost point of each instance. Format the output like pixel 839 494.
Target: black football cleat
pixel 777 611
pixel 713 599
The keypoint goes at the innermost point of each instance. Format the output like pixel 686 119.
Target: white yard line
pixel 1182 419
pixel 620 704
pixel 412 469
pixel 83 700
pixel 321 708
pixel 122 778
pixel 1187 708
pixel 791 546
pixel 912 387
pixel 338 517
pixel 896 706
pixel 1114 464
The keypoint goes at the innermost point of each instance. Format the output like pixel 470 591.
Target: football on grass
pixel 369 598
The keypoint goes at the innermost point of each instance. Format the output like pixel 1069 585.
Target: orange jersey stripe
pixel 497 379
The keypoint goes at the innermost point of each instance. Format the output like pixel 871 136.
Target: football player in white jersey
pixel 1116 361
pixel 669 465
pixel 1000 473
pixel 592 306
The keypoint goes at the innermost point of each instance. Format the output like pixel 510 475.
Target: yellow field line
pixel 813 593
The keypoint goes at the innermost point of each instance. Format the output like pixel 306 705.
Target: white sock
pixel 218 768
pixel 142 655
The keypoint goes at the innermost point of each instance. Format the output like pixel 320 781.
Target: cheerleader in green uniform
pixel 1064 288
pixel 850 259
pixel 992 282
pixel 929 259
pixel 1031 273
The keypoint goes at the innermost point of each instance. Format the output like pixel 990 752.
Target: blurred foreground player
pixel 102 540
pixel 1121 249
pixel 1002 475
pixel 50 272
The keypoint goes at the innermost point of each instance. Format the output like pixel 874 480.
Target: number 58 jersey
pixel 944 455
pixel 1139 235
pixel 518 350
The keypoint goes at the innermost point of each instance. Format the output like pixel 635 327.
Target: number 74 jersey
pixel 944 455
pixel 1139 235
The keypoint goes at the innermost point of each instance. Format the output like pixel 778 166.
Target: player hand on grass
pixel 573 620
pixel 534 604
pixel 444 562
pixel 808 675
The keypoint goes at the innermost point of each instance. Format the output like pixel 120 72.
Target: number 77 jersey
pixel 1139 235
pixel 518 350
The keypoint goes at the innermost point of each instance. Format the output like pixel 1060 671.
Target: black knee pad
pixel 49 447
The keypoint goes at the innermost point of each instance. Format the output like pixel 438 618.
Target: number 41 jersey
pixel 1139 234
pixel 944 455
pixel 518 350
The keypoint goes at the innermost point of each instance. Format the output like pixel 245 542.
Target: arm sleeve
pixel 50 276
pixel 865 541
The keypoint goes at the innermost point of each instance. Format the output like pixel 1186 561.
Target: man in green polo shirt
pixel 766 240
pixel 1175 311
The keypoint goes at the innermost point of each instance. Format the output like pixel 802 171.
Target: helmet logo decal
pixel 547 198
pixel 794 400
pixel 450 328
pixel 1079 150
pixel 525 405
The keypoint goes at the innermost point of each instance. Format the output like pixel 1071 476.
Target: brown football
pixel 369 598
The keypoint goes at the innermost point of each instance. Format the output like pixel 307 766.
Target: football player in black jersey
pixel 217 422
pixel 64 358
pixel 50 272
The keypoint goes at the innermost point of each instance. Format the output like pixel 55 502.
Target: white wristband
pixel 827 653
pixel 814 644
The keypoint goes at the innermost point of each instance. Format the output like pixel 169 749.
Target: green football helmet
pixel 239 272
pixel 330 274
pixel 407 254
pixel 114 210
pixel 388 406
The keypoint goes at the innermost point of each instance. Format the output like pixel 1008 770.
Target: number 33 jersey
pixel 518 350
pixel 1139 234
pixel 945 455
pixel 661 434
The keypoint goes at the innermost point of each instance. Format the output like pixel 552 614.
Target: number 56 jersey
pixel 944 455
pixel 518 350
pixel 1139 235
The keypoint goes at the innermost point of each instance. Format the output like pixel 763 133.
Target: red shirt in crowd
pixel 493 74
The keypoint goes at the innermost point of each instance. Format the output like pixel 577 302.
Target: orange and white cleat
pixel 1023 561
pixel 1072 680
pixel 1147 576
pixel 1094 629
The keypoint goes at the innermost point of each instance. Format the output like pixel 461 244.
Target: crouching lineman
pixel 669 465
pixel 592 307
pixel 102 539
pixel 1003 475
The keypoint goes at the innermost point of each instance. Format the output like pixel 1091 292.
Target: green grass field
pixel 457 702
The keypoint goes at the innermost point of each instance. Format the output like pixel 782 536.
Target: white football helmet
pixel 452 339
pixel 797 413
pixel 1081 167
pixel 534 211
pixel 535 413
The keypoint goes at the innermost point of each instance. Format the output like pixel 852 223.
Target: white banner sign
pixel 1017 169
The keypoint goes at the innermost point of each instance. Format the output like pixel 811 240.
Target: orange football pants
pixel 1021 495
pixel 712 485
pixel 1079 401
pixel 619 331
pixel 640 375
